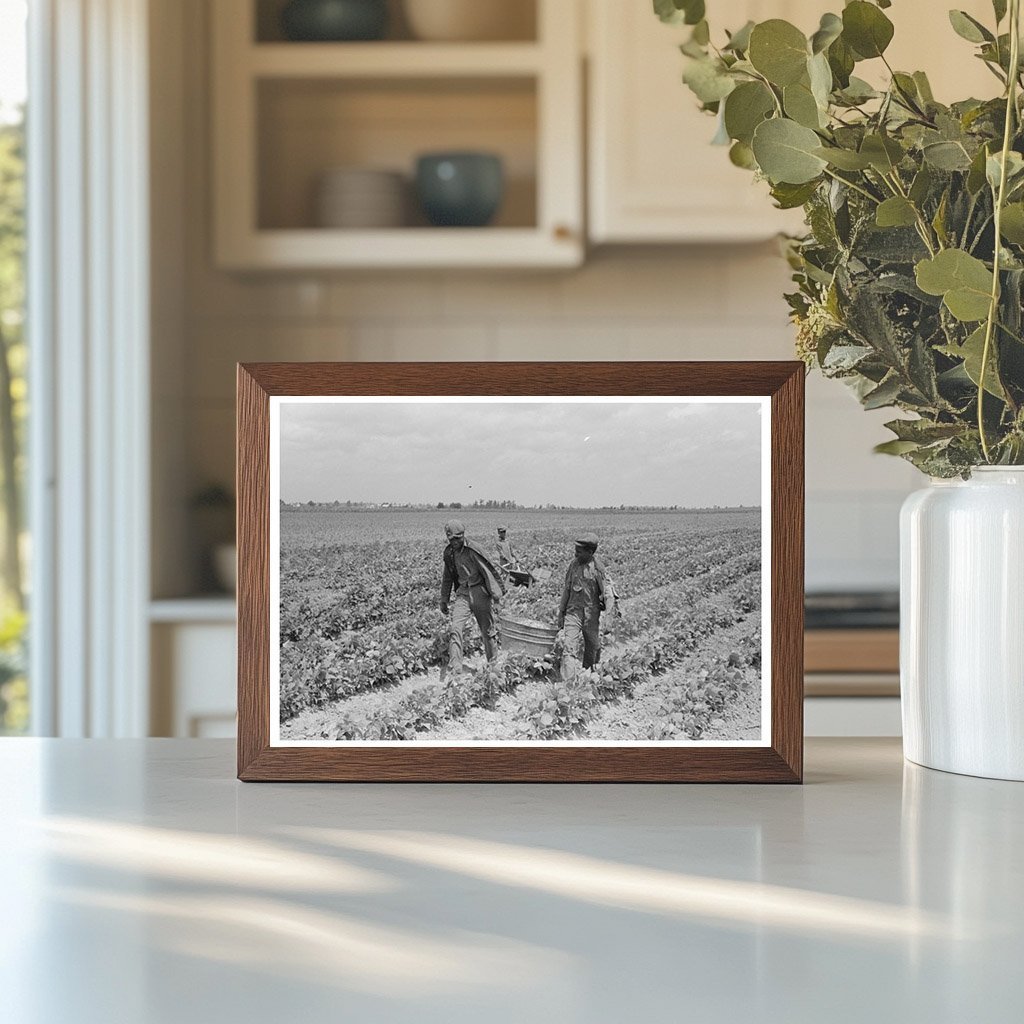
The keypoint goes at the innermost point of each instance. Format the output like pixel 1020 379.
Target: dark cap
pixel 454 528
pixel 587 540
pixel 502 529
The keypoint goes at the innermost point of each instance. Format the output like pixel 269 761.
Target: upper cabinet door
pixel 654 175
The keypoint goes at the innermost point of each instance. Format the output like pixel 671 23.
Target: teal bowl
pixel 460 190
pixel 334 21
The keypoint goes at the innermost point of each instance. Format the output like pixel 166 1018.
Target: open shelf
pixel 286 114
pixel 520 16
pixel 308 127
pixel 393 60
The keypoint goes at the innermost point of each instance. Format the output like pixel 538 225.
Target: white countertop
pixel 143 885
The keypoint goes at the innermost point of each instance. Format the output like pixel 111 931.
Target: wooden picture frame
pixel 779 758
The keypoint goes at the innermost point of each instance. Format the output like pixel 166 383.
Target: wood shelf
pixel 852 650
pixel 393 60
pixel 310 248
pixel 286 112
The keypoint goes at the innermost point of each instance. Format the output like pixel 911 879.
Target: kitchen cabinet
pixel 653 175
pixel 287 113
pixel 193 668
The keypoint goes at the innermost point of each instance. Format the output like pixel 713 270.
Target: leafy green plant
pixel 909 281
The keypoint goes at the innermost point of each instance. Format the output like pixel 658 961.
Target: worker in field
pixel 507 558
pixel 478 589
pixel 587 593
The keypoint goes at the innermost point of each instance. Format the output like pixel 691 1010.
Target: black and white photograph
pixel 470 571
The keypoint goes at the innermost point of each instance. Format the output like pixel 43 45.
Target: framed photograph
pixel 520 572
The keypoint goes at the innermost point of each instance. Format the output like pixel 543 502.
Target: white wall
pixel 655 303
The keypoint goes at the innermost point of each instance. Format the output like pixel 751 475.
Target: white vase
pixel 962 624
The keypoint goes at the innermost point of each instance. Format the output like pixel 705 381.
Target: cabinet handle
pixel 563 232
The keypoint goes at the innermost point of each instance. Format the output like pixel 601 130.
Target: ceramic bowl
pixel 471 20
pixel 460 189
pixel 359 197
pixel 334 20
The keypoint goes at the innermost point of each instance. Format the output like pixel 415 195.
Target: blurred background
pixel 247 180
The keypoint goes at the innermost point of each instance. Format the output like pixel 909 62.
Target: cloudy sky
pixel 608 453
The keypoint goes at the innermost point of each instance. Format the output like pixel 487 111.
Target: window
pixel 14 551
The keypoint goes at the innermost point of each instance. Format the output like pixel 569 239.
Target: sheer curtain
pixel 88 300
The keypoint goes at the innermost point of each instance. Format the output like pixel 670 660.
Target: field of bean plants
pixel 363 640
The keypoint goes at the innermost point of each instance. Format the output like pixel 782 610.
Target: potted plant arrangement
pixel 908 289
pixel 214 510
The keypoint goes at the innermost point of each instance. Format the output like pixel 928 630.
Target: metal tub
pixel 526 636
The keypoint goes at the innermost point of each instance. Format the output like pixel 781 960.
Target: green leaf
pixel 906 89
pixel 701 33
pixel 885 394
pixel 746 107
pixel 896 212
pixel 789 197
pixel 976 174
pixel 857 91
pixel 969 28
pixel 830 29
pixel 721 137
pixel 741 155
pixel 778 50
pixel 707 80
pixel 841 60
pixel 947 156
pixel 883 153
pixel 1014 169
pixel 923 431
pixel 939 220
pixel 844 159
pixel 971 352
pixel 820 76
pixel 921 185
pixel 675 12
pixel 739 41
pixel 800 105
pixel 866 29
pixel 896 447
pixel 924 87
pixel 963 281
pixel 785 152
pixel 999 7
pixel 1012 224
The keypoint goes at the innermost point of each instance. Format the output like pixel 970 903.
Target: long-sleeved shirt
pixel 585 588
pixel 506 556
pixel 471 555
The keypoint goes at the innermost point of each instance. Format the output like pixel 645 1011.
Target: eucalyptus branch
pixel 853 185
pixel 771 89
pixel 981 231
pixel 923 227
pixel 1000 199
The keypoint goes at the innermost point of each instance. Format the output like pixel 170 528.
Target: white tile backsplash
pixel 647 302
pixel 717 303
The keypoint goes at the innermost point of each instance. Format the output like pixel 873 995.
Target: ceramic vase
pixel 962 624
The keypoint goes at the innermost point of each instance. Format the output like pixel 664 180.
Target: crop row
pixel 328 591
pixel 442 702
pixel 566 707
pixel 686 713
pixel 358 636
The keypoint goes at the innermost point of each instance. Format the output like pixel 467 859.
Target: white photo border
pixel 277 401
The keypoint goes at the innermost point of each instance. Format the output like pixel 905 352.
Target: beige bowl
pixel 356 197
pixel 471 20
